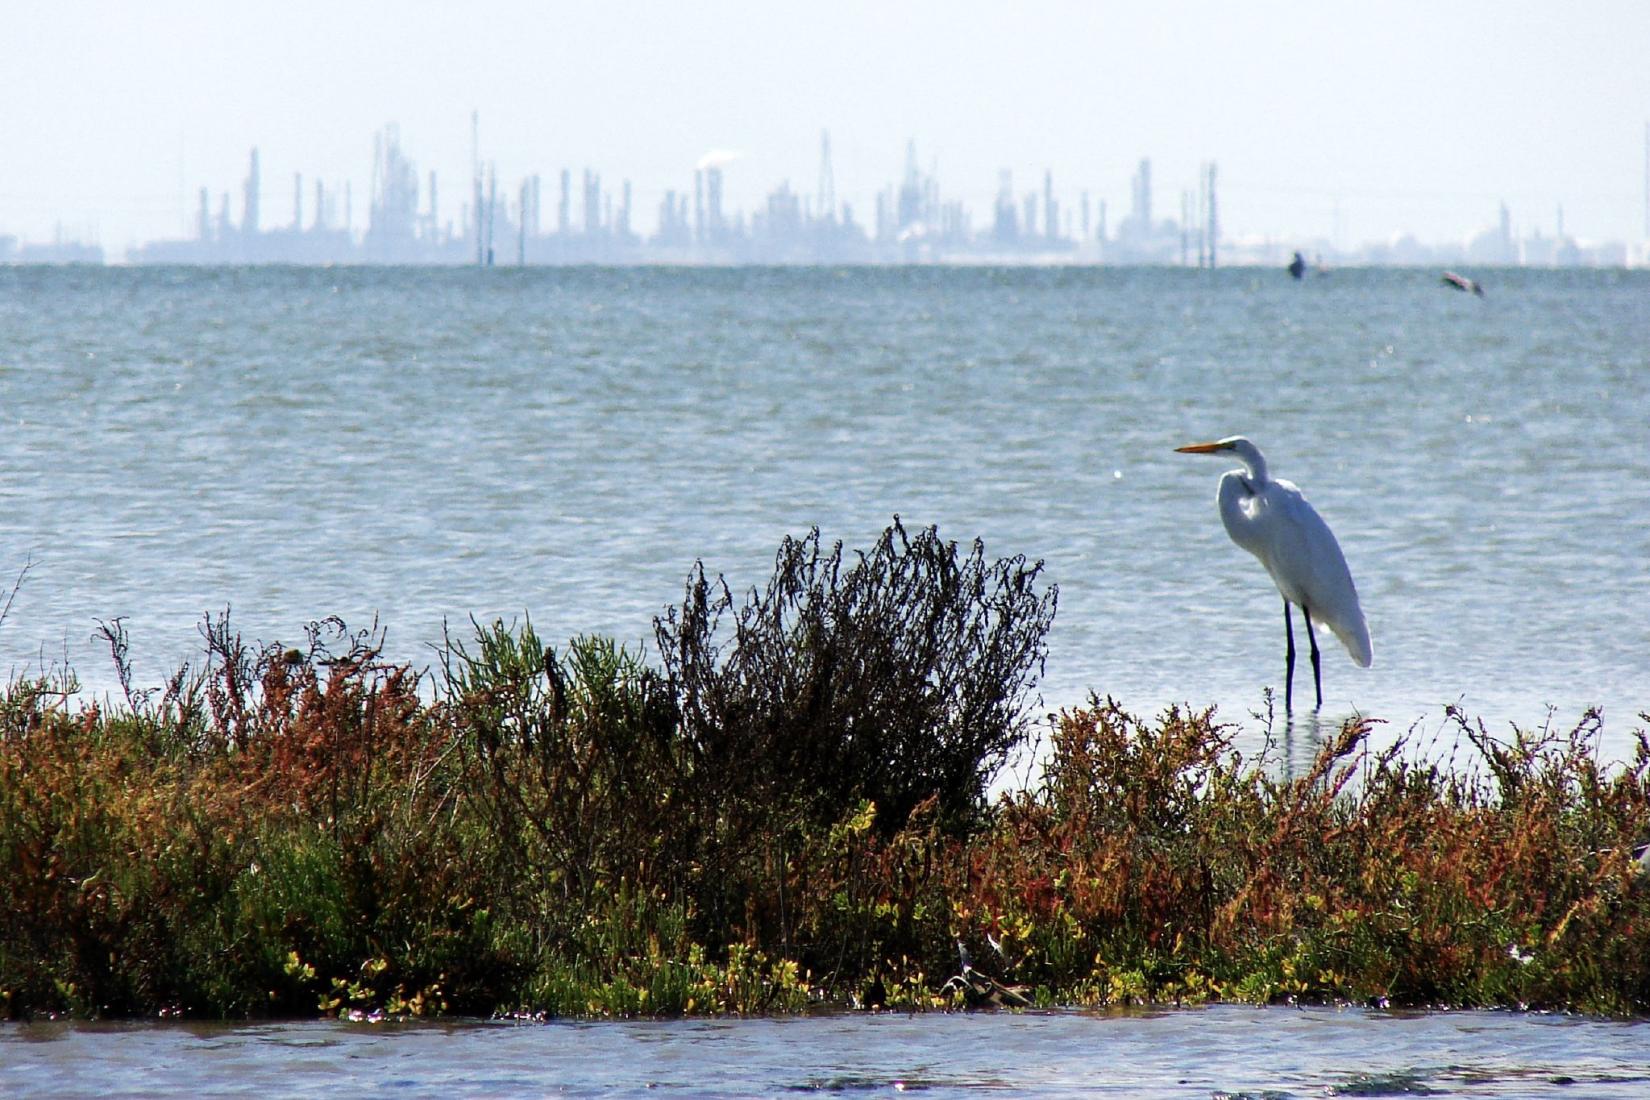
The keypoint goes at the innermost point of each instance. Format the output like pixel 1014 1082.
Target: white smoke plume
pixel 718 158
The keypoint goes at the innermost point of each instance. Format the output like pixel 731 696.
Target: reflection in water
pixel 1297 738
pixel 1302 738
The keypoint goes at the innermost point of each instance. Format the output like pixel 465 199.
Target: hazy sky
pixel 1356 121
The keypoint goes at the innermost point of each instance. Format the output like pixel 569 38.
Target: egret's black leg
pixel 1288 661
pixel 1317 679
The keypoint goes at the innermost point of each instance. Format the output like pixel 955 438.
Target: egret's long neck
pixel 1237 489
pixel 1255 463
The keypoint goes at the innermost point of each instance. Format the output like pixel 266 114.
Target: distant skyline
pixel 1355 123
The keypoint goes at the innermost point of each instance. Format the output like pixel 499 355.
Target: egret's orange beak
pixel 1199 449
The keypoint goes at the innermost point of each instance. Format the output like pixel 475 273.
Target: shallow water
pixel 1222 1051
pixel 427 445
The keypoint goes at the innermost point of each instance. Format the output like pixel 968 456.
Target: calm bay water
pixel 427 445
pixel 424 446
pixel 1229 1051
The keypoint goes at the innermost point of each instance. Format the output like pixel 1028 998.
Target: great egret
pixel 1270 518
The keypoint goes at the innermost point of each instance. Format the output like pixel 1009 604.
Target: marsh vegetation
pixel 784 804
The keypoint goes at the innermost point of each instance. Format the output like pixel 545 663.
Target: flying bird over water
pixel 1270 518
pixel 1461 282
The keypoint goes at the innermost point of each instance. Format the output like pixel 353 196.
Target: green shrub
pixel 898 677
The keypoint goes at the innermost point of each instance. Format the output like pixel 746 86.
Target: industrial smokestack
pixel 1214 216
pixel 699 204
pixel 249 222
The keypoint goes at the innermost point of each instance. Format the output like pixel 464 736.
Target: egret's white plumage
pixel 1270 518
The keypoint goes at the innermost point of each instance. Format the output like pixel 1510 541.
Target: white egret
pixel 1270 518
